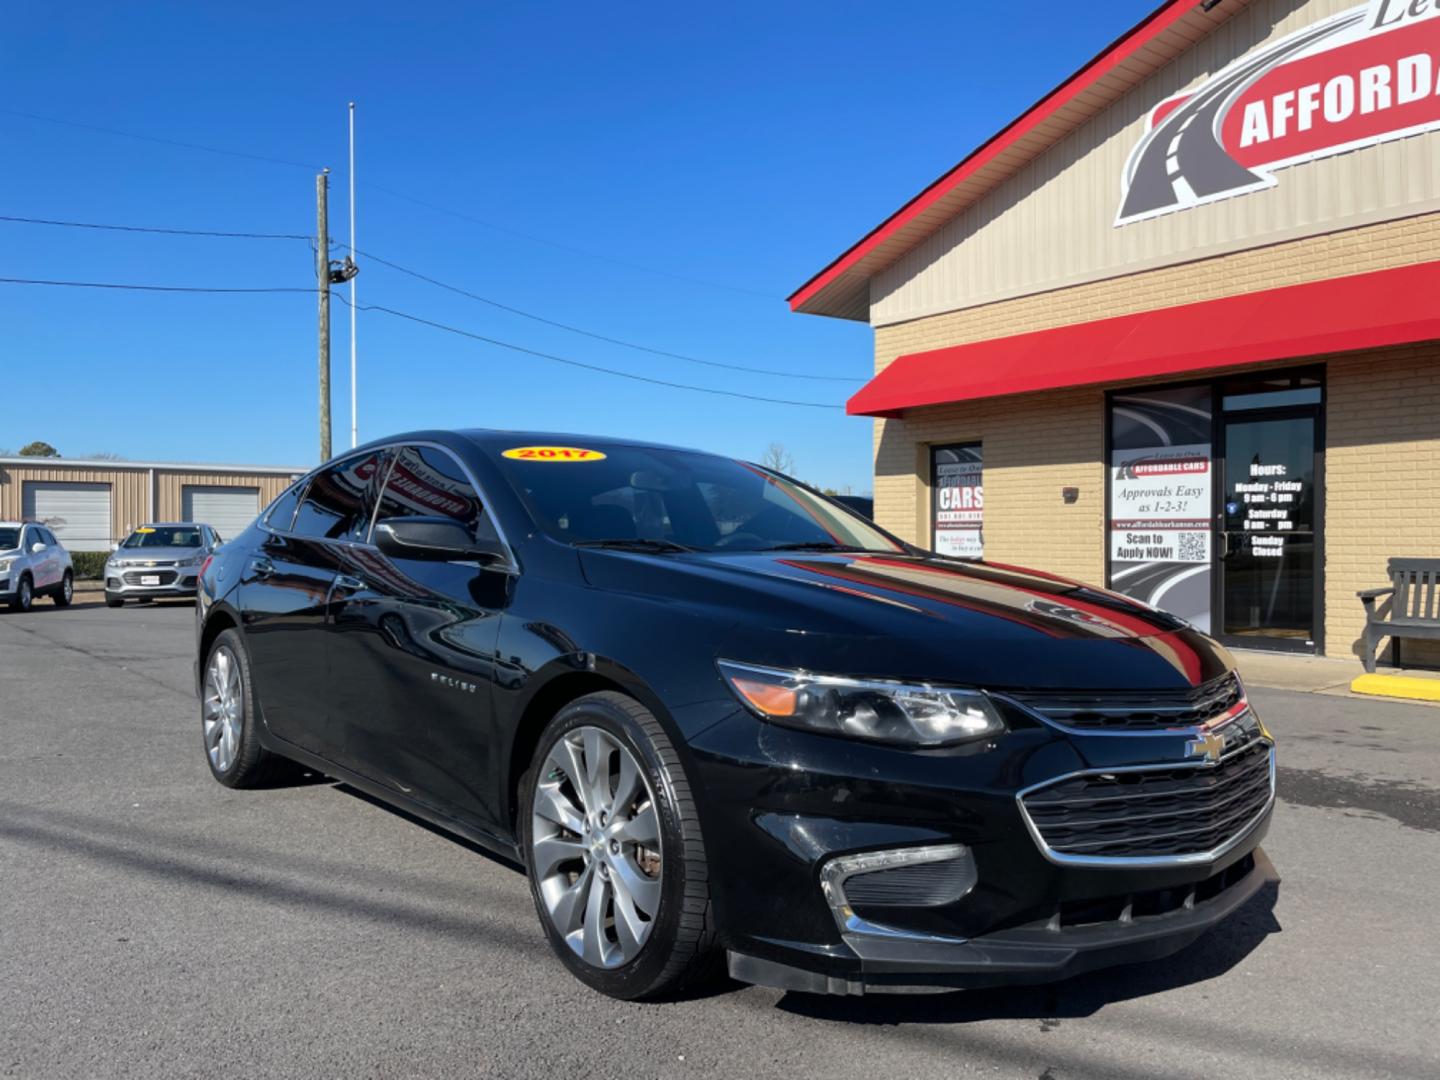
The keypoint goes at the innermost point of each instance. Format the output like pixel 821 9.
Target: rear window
pixel 165 536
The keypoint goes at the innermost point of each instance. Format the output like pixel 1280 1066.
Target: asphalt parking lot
pixel 155 924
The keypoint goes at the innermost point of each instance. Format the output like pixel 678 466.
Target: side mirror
pixel 37 547
pixel 434 539
pixel 114 547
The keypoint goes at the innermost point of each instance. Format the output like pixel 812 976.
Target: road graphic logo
pixel 1364 76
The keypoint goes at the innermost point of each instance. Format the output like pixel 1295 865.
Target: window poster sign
pixel 958 508
pixel 1359 77
pixel 1160 500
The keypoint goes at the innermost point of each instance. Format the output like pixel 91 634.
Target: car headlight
pixel 191 562
pixel 904 714
pixel 5 565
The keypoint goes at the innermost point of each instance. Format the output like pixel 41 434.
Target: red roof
pixel 841 289
pixel 1363 311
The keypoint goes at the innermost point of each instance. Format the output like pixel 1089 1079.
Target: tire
pixel 144 599
pixel 678 949
pixel 111 600
pixel 229 737
pixel 65 592
pixel 24 595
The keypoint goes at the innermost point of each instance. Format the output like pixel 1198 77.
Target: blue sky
pixel 743 145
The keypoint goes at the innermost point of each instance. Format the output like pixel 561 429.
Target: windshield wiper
pixel 813 545
pixel 635 543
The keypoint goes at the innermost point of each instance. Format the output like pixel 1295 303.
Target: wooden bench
pixel 1414 607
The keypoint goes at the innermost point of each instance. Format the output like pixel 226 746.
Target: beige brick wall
pixel 1382 490
pixel 1383 452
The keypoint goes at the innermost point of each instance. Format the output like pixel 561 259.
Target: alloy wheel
pixel 595 846
pixel 27 594
pixel 223 712
pixel 67 589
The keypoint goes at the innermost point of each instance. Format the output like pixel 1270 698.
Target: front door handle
pixel 262 568
pixel 350 584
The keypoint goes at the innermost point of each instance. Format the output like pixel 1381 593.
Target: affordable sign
pixel 1364 76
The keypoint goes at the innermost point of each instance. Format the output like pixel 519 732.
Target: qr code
pixel 1191 547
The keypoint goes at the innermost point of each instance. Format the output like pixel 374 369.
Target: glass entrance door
pixel 1271 521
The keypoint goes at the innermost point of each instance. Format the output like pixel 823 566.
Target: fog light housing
pixel 931 876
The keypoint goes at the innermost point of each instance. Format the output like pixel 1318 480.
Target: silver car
pixel 158 560
pixel 33 563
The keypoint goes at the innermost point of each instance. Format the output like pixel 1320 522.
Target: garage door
pixel 78 514
pixel 227 510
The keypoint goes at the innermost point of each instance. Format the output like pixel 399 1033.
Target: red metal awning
pixel 1363 311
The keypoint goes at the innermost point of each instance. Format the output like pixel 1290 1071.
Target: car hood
pixel 6 553
pixel 918 616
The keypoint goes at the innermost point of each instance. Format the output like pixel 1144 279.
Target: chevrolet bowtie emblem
pixel 1208 746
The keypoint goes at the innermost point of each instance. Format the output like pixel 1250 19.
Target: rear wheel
pixel 24 594
pixel 227 717
pixel 65 592
pixel 611 839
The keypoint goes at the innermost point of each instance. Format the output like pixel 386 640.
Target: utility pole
pixel 322 282
pixel 354 422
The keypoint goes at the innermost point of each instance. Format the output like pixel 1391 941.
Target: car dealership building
pixel 90 505
pixel 1177 328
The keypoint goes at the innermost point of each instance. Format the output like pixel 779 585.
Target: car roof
pixel 170 525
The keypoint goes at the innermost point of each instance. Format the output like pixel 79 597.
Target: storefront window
pixel 958 506
pixel 1161 524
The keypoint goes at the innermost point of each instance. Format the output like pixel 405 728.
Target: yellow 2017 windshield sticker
pixel 553 453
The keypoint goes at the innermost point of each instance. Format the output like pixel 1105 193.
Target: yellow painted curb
pixel 1404 686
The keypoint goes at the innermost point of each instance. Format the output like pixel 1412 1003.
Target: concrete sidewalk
pixel 1315 674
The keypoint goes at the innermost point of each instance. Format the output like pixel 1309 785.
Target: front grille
pixel 1137 710
pixel 1161 812
pixel 167 577
pixel 928 884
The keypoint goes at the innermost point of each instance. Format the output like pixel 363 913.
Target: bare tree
pixel 778 459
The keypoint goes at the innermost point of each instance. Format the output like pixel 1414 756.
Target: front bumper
pixel 1030 954
pixel 173 581
pixel 781 804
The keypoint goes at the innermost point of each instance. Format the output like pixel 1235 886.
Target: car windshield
pixel 670 500
pixel 164 536
pixel 9 538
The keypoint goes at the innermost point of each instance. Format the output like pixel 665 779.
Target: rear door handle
pixel 262 568
pixel 350 584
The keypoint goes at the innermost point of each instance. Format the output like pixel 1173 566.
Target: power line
pixel 152 288
pixel 166 231
pixel 461 215
pixel 592 334
pixel 581 364
pixel 156 229
pixel 566 247
pixel 156 139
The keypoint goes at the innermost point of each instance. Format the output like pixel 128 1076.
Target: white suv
pixel 33 563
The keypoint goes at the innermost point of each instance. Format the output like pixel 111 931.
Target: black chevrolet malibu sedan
pixel 721 718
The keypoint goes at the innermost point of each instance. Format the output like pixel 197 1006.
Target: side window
pixel 281 514
pixel 339 501
pixel 428 482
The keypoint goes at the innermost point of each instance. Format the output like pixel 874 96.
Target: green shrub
pixel 89 564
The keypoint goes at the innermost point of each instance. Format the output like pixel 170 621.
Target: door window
pixel 281 514
pixel 1270 518
pixel 427 482
pixel 340 499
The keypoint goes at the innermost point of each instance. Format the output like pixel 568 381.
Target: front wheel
pixel 611 839
pixel 111 600
pixel 228 718
pixel 66 592
pixel 24 594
